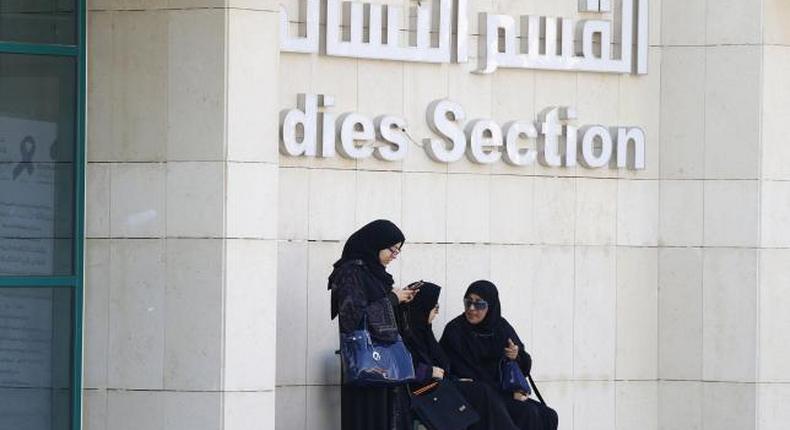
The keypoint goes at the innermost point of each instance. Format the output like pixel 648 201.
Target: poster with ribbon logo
pixel 27 196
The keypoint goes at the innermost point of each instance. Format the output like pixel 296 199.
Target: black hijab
pixel 488 292
pixel 418 333
pixel 365 245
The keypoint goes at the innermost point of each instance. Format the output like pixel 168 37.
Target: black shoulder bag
pixel 440 406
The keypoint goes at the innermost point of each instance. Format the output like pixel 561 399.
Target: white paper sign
pixel 27 196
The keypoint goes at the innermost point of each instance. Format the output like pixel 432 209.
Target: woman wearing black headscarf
pixel 431 362
pixel 479 340
pixel 361 286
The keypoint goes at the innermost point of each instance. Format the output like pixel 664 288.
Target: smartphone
pixel 416 285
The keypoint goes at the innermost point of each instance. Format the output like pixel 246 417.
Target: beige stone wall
pixel 773 375
pixel 724 215
pixel 181 248
pixel 653 299
pixel 574 251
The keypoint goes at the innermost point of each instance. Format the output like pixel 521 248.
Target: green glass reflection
pixel 38 21
pixel 37 136
pixel 35 358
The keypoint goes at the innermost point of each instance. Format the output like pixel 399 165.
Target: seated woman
pixel 431 363
pixel 479 340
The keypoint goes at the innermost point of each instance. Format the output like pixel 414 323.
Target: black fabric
pixel 364 245
pixel 420 340
pixel 361 286
pixel 445 408
pixel 363 408
pixel 530 414
pixel 356 292
pixel 488 292
pixel 417 332
pixel 475 351
pixel 494 414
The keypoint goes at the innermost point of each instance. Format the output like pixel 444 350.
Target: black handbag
pixel 440 406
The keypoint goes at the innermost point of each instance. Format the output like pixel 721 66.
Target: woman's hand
pixel 520 396
pixel 511 350
pixel 438 373
pixel 405 295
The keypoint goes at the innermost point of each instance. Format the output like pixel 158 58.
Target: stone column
pixel 773 373
pixel 181 182
pixel 724 215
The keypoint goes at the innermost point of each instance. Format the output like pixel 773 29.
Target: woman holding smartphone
pixel 360 286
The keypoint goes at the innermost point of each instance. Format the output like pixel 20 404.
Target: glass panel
pixel 38 21
pixel 37 135
pixel 35 358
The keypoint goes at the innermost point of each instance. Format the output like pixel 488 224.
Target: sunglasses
pixel 479 305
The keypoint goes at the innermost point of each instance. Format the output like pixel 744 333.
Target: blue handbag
pixel 376 364
pixel 512 378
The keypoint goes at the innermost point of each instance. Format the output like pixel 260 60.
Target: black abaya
pixel 361 287
pixel 477 351
pixel 427 353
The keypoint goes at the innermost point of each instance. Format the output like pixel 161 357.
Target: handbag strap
pixel 363 323
pixel 535 388
pixel 425 388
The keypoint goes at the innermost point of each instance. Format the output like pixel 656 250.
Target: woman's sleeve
pixel 524 359
pixel 351 299
pixel 353 304
pixel 422 372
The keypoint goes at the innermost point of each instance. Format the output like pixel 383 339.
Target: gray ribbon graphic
pixel 27 147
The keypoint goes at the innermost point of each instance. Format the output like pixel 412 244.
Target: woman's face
pixel 472 309
pixel 386 255
pixel 433 313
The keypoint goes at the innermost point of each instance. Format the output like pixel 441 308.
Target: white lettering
pixel 360 29
pixel 636 160
pixel 591 135
pixel 344 31
pixel 559 142
pixel 390 131
pixel 355 128
pixel 571 135
pixel 485 139
pixel 307 39
pixel 327 130
pixel 445 119
pixel 515 131
pixel 303 118
pixel 549 139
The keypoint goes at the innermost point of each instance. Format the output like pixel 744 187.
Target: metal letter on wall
pixel 547 43
pixel 307 40
pixel 357 29
pixel 555 140
pixel 383 31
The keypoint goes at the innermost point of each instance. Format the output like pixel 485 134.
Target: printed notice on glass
pixel 27 196
pixel 25 358
pixel 26 338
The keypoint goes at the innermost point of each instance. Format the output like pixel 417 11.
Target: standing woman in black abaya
pixel 361 286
